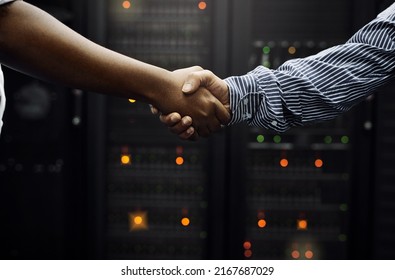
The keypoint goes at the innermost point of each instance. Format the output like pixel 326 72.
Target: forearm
pixel 318 87
pixel 33 42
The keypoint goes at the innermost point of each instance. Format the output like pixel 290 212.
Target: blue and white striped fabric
pixel 318 87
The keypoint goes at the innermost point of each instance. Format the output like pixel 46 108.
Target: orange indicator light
pixel 125 159
pixel 185 222
pixel 137 221
pixel 179 160
pixel 262 223
pixel 302 224
pixel 291 50
pixel 318 163
pixel 126 4
pixel 284 163
pixel 202 5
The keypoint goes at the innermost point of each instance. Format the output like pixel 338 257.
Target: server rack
pixel 247 193
pixel 154 195
pixel 302 189
pixel 42 194
pixel 382 170
pixel 255 193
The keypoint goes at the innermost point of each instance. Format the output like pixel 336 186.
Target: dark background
pixel 64 193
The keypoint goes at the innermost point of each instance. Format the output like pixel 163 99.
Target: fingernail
pixel 190 130
pixel 187 87
pixel 173 118
pixel 187 121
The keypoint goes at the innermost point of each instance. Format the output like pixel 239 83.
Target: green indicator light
pixel 345 139
pixel 328 140
pixel 260 138
pixel 277 139
pixel 267 64
pixel 266 50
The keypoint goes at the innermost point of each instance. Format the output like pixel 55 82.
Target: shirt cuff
pixel 255 99
pixel 244 98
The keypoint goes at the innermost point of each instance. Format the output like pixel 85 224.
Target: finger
pixel 215 123
pixel 154 110
pixel 194 137
pixel 189 134
pixel 222 113
pixel 170 119
pixel 182 126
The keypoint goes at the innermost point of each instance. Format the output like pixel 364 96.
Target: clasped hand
pixel 204 107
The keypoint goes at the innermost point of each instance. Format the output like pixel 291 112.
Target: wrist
pixel 163 92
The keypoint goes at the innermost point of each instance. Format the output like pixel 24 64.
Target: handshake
pixel 202 108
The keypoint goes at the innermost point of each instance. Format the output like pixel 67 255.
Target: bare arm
pixel 34 42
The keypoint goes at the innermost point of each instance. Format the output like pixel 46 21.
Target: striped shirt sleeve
pixel 318 87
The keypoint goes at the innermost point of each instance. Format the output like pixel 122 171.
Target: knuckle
pixel 207 72
pixel 197 68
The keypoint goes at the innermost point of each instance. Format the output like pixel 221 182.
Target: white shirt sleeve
pixel 2 99
pixel 2 95
pixel 5 1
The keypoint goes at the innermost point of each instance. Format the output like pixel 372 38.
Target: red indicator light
pixel 295 254
pixel 247 253
pixel 309 254
pixel 318 163
pixel 247 245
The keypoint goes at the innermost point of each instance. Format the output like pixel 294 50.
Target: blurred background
pixel 84 176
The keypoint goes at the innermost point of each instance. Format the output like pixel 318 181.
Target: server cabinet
pixel 131 190
pixel 41 189
pixel 247 193
pixel 155 197
pixel 382 168
pixel 297 190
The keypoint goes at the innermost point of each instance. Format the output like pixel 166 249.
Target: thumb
pixel 188 87
pixel 195 80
